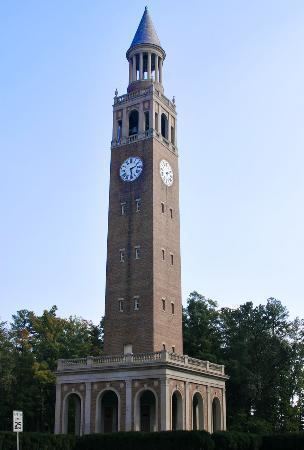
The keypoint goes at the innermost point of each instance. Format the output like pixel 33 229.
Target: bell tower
pixel 142 381
pixel 143 308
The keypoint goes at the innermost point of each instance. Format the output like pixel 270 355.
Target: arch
pixel 72 414
pixel 164 125
pixel 216 415
pixel 107 411
pixel 146 410
pixel 177 419
pixel 197 411
pixel 133 122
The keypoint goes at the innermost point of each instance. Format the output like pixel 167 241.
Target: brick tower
pixel 143 381
pixel 143 310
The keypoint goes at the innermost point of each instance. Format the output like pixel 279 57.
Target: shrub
pixel 232 440
pixel 166 440
pixel 37 441
pixel 286 441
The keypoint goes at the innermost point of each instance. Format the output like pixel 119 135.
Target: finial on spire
pixel 146 8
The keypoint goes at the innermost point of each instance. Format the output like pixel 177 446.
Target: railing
pixel 144 135
pixel 141 93
pixel 138 359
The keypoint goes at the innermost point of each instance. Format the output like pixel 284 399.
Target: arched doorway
pixel 72 415
pixel 133 122
pixel 197 412
pixel 216 415
pixel 147 411
pixel 107 420
pixel 177 411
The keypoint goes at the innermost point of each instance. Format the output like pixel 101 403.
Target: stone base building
pixel 147 384
pixel 147 392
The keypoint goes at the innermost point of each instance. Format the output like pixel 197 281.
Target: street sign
pixel 18 421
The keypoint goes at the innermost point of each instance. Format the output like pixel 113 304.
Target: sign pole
pixel 17 440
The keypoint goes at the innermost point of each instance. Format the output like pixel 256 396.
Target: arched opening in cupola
pixel 133 122
pixel 164 125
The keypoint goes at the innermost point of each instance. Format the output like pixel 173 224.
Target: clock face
pixel 166 172
pixel 131 168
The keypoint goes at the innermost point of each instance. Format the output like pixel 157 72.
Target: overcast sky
pixel 237 71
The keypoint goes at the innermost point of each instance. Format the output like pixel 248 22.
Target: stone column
pixel 164 405
pixel 187 409
pixel 159 120
pixel 224 426
pixel 209 410
pixel 58 409
pixel 134 67
pixel 160 70
pixel 125 125
pixel 141 118
pixel 169 127
pixel 141 66
pixel 156 68
pixel 130 71
pixel 149 66
pixel 128 405
pixel 87 408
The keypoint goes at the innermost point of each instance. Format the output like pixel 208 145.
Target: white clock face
pixel 166 172
pixel 131 168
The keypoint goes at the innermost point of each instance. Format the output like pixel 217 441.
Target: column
pixel 187 409
pixel 141 118
pixel 87 408
pixel 164 405
pixel 125 125
pixel 209 410
pixel 224 410
pixel 149 66
pixel 159 120
pixel 130 71
pixel 128 405
pixel 161 70
pixel 58 409
pixel 141 66
pixel 134 67
pixel 156 68
pixel 169 127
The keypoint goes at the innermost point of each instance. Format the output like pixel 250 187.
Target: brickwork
pixel 150 277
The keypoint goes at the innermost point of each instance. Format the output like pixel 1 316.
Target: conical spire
pixel 145 33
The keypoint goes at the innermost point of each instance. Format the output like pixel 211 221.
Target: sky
pixel 236 69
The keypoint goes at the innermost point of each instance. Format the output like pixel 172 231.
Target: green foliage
pixel 286 441
pixel 170 440
pixel 236 441
pixel 263 352
pixel 37 441
pixel 29 351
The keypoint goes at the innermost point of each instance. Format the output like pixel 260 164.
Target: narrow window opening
pixel 137 252
pixel 173 348
pixel 164 346
pixel 164 304
pixel 164 125
pixel 172 308
pixel 122 255
pixel 133 122
pixel 156 121
pixel 145 66
pixel 163 254
pixel 172 259
pixel 171 213
pixel 123 208
pixel 147 121
pixel 162 207
pixel 173 135
pixel 137 204
pixel 121 305
pixel 136 303
pixel 119 127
